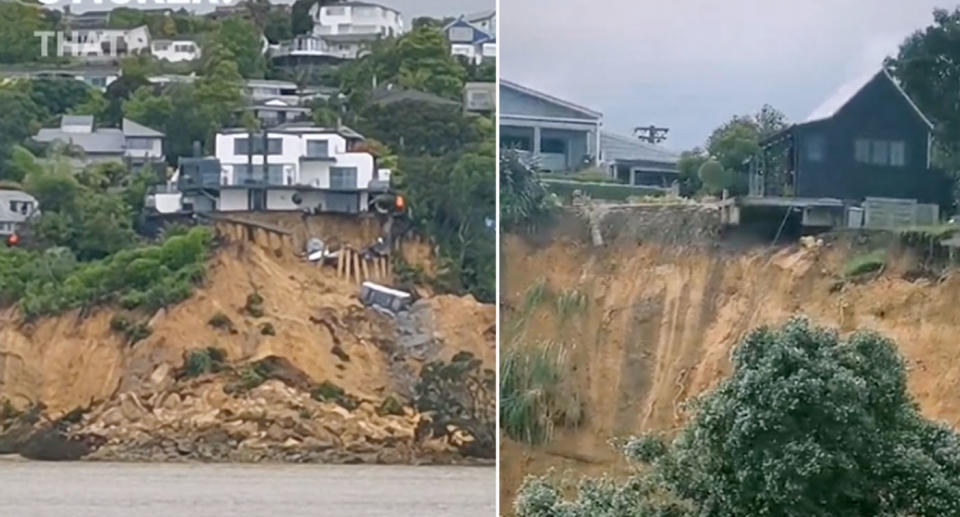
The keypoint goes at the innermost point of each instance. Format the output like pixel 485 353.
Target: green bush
pixel 330 392
pixel 267 329
pixel 220 321
pixel 202 361
pixel 390 406
pixel 536 392
pixel 148 277
pixel 254 305
pixel 806 424
pixel 866 263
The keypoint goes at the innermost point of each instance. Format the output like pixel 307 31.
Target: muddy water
pixel 29 489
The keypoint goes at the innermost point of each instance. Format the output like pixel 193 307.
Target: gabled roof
pixel 479 35
pixel 482 15
pixel 616 147
pixel 388 96
pixel 549 98
pixel 132 129
pixel 849 90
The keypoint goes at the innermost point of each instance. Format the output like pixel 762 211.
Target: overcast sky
pixel 410 8
pixel 692 64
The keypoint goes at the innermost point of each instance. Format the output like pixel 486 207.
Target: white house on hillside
pixel 307 168
pixel 175 50
pixel 343 31
pixel 16 207
pixel 105 43
pixel 470 41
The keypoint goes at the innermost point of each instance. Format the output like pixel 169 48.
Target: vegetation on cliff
pixel 807 424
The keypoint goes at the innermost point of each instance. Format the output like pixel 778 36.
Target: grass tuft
pixel 866 263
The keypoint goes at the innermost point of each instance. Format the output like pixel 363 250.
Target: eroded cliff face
pixel 662 316
pixel 76 360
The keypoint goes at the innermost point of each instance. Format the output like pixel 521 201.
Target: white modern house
pixel 304 168
pixel 132 143
pixel 342 31
pixel 16 207
pixel 471 41
pixel 104 43
pixel 175 50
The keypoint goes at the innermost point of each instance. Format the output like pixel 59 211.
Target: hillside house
pixel 16 207
pixel 480 97
pixel 867 140
pixel 341 31
pixel 558 135
pixel 470 41
pixel 635 162
pixel 304 168
pixel 133 144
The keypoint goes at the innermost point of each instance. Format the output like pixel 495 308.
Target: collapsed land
pixel 223 240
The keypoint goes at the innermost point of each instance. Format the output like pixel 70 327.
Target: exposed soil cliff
pixel 316 324
pixel 667 298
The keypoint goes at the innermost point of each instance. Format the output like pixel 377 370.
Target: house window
pixel 461 34
pixel 862 152
pixel 317 149
pixel 22 207
pixel 162 46
pixel 335 11
pixel 553 146
pixel 244 175
pixel 879 152
pixel 139 143
pixel 898 153
pixel 343 177
pixel 242 146
pixel 815 148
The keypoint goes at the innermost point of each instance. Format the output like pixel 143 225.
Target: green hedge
pixel 605 191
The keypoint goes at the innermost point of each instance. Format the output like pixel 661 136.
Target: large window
pixel 244 175
pixel 142 144
pixel 242 146
pixel 881 152
pixel 318 149
pixel 343 177
pixel 21 207
pixel 815 148
pixel 553 146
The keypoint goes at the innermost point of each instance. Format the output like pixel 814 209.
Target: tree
pixel 713 176
pixel 928 67
pixel 689 168
pixel 523 197
pixel 59 96
pixel 18 22
pixel 738 140
pixel 20 119
pixel 806 424
pixel 242 39
pixel 277 26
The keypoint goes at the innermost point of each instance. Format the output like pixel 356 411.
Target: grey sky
pixel 692 64
pixel 410 8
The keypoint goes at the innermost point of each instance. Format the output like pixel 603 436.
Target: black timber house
pixel 868 140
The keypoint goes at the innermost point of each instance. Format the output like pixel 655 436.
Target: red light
pixel 13 239
pixel 400 203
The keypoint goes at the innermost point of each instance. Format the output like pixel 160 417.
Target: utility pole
pixel 651 134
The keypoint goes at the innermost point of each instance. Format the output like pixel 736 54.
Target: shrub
pixel 460 394
pixel 202 361
pixel 254 305
pixel 806 424
pixel 536 393
pixel 267 329
pixel 863 264
pixel 220 321
pixel 330 392
pixel 390 406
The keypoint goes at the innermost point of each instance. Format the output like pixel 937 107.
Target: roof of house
pixel 549 98
pixel 388 96
pixel 847 91
pixel 615 147
pixel 479 35
pixel 481 15
pixel 363 4
pixel 95 141
pixel 299 128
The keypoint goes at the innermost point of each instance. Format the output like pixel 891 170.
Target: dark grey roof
pixel 102 141
pixel 625 148
pixel 388 96
pixel 549 98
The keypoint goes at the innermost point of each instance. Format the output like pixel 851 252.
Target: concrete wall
pixel 233 200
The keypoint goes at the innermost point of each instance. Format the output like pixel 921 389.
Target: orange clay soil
pixel 69 360
pixel 660 322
